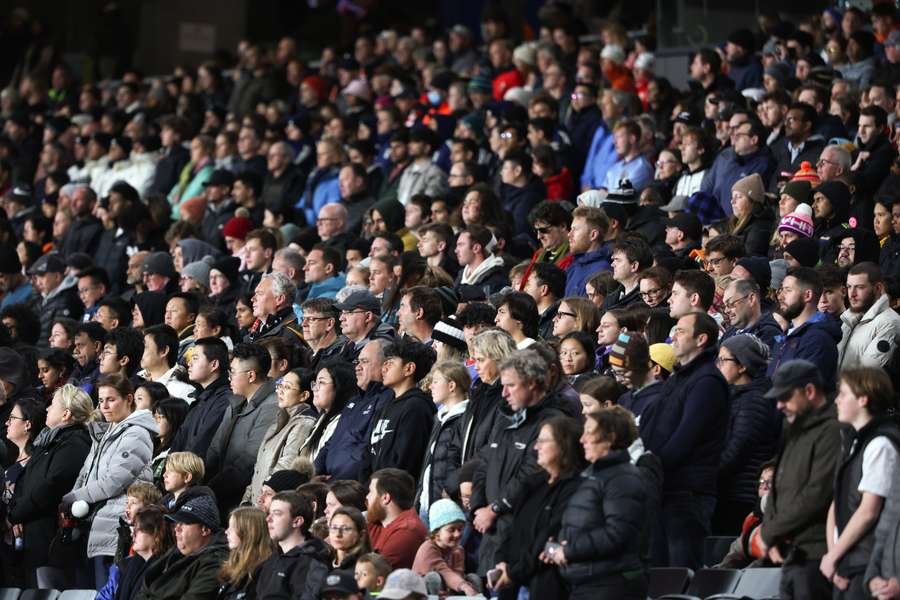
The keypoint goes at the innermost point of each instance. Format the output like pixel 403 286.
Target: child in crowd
pixel 183 469
pixel 371 572
pixel 441 559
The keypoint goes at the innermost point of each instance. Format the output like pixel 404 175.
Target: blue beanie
pixel 443 512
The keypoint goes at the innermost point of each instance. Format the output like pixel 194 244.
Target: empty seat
pixel 668 580
pixel 715 547
pixel 755 583
pixel 40 595
pixel 10 593
pixel 78 595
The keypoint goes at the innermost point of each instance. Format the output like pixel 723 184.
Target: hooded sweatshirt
pixel 399 439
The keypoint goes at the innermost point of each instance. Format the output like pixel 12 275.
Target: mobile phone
pixel 551 548
pixel 493 576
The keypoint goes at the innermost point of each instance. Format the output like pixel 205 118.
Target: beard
pixel 793 311
pixel 375 512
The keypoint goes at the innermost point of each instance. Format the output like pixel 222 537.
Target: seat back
pixel 715 548
pixel 707 582
pixel 10 593
pixel 759 583
pixel 40 595
pixel 668 580
pixel 77 595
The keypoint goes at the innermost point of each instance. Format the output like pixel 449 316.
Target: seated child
pixel 371 572
pixel 183 469
pixel 441 559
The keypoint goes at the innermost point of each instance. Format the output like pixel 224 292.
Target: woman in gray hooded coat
pixel 121 451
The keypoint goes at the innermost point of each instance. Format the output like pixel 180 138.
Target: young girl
pixel 249 547
pixel 440 559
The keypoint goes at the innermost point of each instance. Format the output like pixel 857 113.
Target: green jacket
pixel 192 577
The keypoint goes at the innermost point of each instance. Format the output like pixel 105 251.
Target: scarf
pixel 472 276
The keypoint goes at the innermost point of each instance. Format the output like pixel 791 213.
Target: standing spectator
pixel 753 220
pixel 60 451
pixel 688 434
pixel 333 388
pixel 422 176
pixel 121 453
pixel 630 164
pixel 751 437
pixel 799 144
pixel 481 267
pixel 395 530
pixel 520 191
pixel 630 258
pixel 870 327
pixel 744 67
pixel 865 477
pixel 748 154
pixel 175 156
pixel 796 511
pixel 601 524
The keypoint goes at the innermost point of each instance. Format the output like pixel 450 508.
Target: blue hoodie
pixel 815 341
pixel 583 267
pixel 328 288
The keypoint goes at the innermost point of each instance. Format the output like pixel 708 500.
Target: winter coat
pixel 766 329
pixel 746 72
pixel 426 179
pixel 812 148
pixel 169 168
pixel 321 189
pixel 728 168
pixel 437 463
pixel 131 576
pixel 343 455
pixel 214 219
pixel 602 522
pixel 61 302
pixel 869 339
pixel 357 205
pixel 751 440
pixel 593 150
pixel 193 577
pixel 449 563
pixel 280 194
pixel 472 432
pixel 642 402
pixel 538 515
pixel 112 255
pixel 397 441
pixel 176 387
pixel 204 418
pixel 280 445
pixel 188 187
pixel 815 341
pixel 890 257
pixel 802 490
pixel 296 574
pixel 83 236
pixel 583 267
pixel 232 455
pixel 120 455
pixel 688 429
pixel 650 222
pixel 51 472
pixel 518 202
pixel 757 232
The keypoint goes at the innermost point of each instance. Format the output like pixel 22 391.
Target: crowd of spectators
pixel 455 314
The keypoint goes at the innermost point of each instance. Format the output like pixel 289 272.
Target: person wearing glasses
pixel 742 306
pixel 752 434
pixel 321 331
pixel 231 457
pixel 746 547
pixel 831 207
pixel 293 422
pixel 348 536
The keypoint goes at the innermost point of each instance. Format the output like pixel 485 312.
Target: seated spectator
pixel 249 547
pixel 753 221
pixel 371 572
pixel 183 470
pixel 440 559
pixel 395 530
pixel 348 537
pixel 153 539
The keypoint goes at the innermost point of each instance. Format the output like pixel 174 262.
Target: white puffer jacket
pixel 870 339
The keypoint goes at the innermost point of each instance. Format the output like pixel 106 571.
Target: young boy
pixel 138 496
pixel 183 469
pixel 371 571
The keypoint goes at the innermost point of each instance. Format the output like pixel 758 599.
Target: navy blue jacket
pixel 766 329
pixel 583 267
pixel 518 202
pixel 729 167
pixel 342 455
pixel 204 418
pixel 815 341
pixel 688 429
pixel 642 401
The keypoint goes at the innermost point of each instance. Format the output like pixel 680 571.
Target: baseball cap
pixel 48 263
pixel 688 223
pixel 200 510
pixel 220 177
pixel 360 300
pixel 687 118
pixel 676 204
pixel 340 581
pixel 663 355
pixel 401 583
pixel 791 375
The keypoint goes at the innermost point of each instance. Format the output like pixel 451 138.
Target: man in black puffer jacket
pixel 58 293
pixel 509 458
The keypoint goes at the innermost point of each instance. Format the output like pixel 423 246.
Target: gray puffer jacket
pixel 119 456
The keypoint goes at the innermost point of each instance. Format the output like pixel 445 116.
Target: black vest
pixel 847 496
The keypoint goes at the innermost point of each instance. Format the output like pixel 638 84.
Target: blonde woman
pixel 60 450
pixel 293 424
pixel 249 547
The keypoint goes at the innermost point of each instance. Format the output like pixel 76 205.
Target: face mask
pixel 434 98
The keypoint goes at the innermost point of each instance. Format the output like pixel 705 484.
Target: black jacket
pixel 397 440
pixel 280 194
pixel 131 576
pixel 50 475
pixel 83 236
pixel 518 202
pixel 757 233
pixel 649 221
pixel 473 430
pixel 168 169
pixel 602 522
pixel 538 516
pixel 203 418
pixel 297 574
pixel 357 205
pixel 812 148
pixel 193 577
pixel 766 329
pixel 890 257
pixel 62 302
pixel 214 220
pixel 438 460
pixel 112 255
pixel 751 440
pixel 581 126
pixel 545 321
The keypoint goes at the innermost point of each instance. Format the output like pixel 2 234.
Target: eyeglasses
pixel 355 311
pixel 234 373
pixel 341 530
pixel 651 293
pixel 720 360
pixel 304 319
pixel 325 219
pixel 10 417
pixel 765 483
pixel 542 230
pixel 715 262
pixel 732 303
pixel 320 384
pixel 280 386
pixel 823 161
pixel 662 163
pixel 562 313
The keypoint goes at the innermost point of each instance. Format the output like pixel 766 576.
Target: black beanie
pixel 286 480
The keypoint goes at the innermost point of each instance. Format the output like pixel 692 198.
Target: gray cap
pixel 751 352
pixel 360 300
pixel 779 268
pixel 160 263
pixel 676 204
pixel 200 510
pixel 48 263
pixel 401 583
pixel 198 270
pixel 792 375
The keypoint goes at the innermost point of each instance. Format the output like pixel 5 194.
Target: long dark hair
pixel 34 412
pixel 345 388
pixel 566 432
pixel 175 411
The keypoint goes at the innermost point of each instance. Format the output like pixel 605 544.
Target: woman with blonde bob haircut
pixel 575 314
pixel 60 451
pixel 249 547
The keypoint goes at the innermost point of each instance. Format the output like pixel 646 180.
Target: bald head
pixel 332 220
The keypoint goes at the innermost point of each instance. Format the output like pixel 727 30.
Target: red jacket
pixel 560 186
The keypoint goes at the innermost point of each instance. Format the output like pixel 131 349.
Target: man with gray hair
pixel 283 183
pixel 834 164
pixel 510 459
pixel 331 225
pixel 742 305
pixel 273 308
pixel 290 262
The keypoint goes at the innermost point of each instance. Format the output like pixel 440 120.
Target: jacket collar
pixel 881 305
